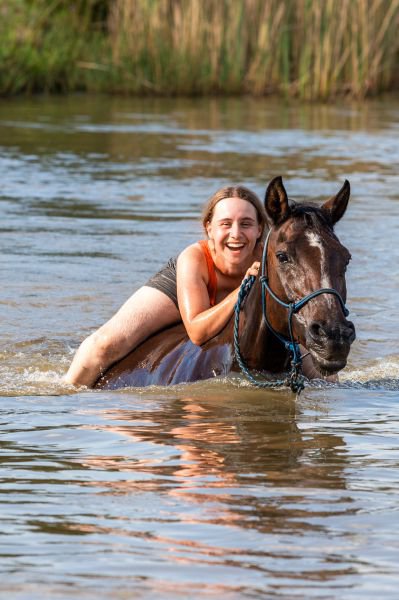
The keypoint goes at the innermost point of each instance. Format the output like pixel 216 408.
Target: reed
pixel 42 43
pixel 312 49
pixel 346 46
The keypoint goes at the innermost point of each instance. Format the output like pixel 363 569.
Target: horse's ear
pixel 276 201
pixel 335 207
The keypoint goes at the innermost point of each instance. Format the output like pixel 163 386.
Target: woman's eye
pixel 282 257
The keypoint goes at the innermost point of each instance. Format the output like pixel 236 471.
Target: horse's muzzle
pixel 329 344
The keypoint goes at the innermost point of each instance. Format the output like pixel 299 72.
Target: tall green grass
pixel 312 49
pixel 42 43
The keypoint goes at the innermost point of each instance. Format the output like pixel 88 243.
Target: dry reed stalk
pixel 341 48
pixel 386 42
pixel 266 47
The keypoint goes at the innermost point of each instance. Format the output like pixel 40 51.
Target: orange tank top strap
pixel 212 281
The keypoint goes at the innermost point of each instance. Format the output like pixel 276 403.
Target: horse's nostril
pixel 320 332
pixel 349 330
pixel 350 325
pixel 316 330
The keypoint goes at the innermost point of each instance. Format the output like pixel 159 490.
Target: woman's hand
pixel 253 270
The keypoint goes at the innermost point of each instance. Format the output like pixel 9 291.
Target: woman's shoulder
pixel 193 252
pixel 192 260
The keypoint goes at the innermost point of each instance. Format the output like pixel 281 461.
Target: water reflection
pixel 220 449
pixel 217 482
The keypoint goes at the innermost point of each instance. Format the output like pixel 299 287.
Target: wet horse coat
pixel 304 255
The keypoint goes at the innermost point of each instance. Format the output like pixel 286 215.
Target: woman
pixel 201 289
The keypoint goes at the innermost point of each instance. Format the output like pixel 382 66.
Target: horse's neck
pixel 259 347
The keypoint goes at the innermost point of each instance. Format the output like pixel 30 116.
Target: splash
pixel 381 373
pixel 34 367
pixel 37 367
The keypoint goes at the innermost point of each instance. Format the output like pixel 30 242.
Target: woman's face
pixel 234 229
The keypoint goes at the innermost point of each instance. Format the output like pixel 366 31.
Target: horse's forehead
pixel 297 232
pixel 314 238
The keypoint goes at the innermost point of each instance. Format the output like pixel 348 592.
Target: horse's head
pixel 304 255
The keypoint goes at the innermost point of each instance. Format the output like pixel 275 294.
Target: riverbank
pixel 295 48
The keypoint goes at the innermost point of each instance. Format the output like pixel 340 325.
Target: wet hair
pixel 237 191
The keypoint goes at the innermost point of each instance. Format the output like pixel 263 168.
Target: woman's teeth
pixel 233 246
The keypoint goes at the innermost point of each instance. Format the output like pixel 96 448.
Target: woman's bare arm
pixel 201 321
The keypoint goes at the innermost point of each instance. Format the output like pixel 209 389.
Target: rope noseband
pixel 295 379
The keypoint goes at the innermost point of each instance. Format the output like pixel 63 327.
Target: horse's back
pixel 168 358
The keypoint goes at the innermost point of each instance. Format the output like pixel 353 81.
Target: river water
pixel 212 489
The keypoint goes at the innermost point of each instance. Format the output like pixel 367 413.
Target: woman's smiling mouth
pixel 235 246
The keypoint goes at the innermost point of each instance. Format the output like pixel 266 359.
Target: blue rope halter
pixel 295 379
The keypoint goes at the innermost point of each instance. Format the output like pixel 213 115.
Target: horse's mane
pixel 312 216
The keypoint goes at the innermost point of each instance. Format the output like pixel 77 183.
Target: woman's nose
pixel 235 230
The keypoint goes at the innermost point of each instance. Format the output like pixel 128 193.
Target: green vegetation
pixel 312 49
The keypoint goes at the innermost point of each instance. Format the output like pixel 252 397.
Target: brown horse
pixel 303 256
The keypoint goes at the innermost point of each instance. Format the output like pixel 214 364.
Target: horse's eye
pixel 282 257
pixel 347 263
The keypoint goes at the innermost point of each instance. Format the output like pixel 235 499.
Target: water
pixel 209 489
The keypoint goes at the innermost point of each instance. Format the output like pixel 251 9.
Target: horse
pixel 305 265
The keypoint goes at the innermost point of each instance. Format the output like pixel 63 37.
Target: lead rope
pixel 295 380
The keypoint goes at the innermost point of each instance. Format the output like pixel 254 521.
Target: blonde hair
pixel 237 191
